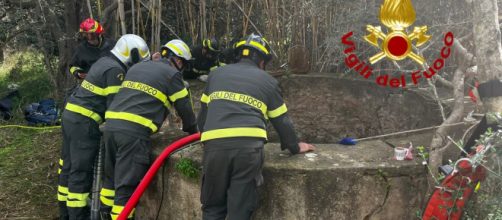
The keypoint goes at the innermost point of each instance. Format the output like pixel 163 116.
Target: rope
pixel 30 127
pixel 413 131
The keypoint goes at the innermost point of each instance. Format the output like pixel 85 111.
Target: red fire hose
pixel 133 201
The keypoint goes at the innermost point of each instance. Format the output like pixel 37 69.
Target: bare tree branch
pixel 439 142
pixel 108 12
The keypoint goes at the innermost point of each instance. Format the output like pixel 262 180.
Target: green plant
pixel 425 158
pixel 28 71
pixel 188 168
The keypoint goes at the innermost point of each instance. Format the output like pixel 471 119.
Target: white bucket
pixel 400 153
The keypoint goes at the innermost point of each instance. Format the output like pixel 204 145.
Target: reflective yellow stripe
pixel 207 43
pixel 175 48
pixel 63 189
pixel 148 90
pixel 242 98
pixel 78 196
pixel 112 89
pixel 94 27
pixel 74 68
pixel 199 71
pixel 204 98
pixel 254 43
pixel 278 111
pixel 143 53
pixel 77 200
pixel 76 204
pixel 106 201
pixel 62 198
pixel 83 111
pixel 181 94
pixel 61 162
pixel 62 193
pixel 59 171
pixel 132 118
pixel 98 90
pixel 233 132
pixel 220 64
pixel 107 192
pixel 116 210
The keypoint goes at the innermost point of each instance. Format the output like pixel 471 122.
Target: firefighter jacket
pixel 238 101
pixel 95 94
pixel 201 64
pixel 148 90
pixel 85 55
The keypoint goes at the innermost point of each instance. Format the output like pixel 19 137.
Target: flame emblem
pixel 397 15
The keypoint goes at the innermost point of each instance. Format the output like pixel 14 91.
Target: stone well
pixel 336 182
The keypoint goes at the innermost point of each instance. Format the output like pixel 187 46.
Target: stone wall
pixel 336 182
pixel 325 108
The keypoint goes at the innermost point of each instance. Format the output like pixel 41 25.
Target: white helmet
pixel 178 48
pixel 131 49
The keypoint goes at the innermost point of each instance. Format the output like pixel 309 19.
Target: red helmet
pixel 89 25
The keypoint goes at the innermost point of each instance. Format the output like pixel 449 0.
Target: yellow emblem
pixel 120 76
pixel 397 15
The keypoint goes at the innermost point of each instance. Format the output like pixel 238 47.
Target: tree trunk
pixel 439 141
pixel 67 44
pixel 108 19
pixel 487 39
pixel 488 47
pixel 122 17
pixel 203 30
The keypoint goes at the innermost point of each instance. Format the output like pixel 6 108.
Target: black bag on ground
pixel 6 105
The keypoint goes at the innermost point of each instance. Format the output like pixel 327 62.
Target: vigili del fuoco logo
pixel 397 16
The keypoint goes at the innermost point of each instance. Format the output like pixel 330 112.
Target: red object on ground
pixel 448 201
pixel 145 182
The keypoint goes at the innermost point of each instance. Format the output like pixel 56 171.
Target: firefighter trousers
pixel 127 159
pixel 81 138
pixel 231 174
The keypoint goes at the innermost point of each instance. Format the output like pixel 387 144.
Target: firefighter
pixel 205 59
pixel 138 111
pixel 83 113
pixel 236 104
pixel 91 49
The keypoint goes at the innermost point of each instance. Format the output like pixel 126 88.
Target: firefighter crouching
pixel 236 104
pixel 83 113
pixel 205 59
pixel 137 111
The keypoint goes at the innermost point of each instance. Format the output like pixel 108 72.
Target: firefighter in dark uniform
pixel 91 49
pixel 138 111
pixel 238 101
pixel 491 120
pixel 83 113
pixel 205 59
